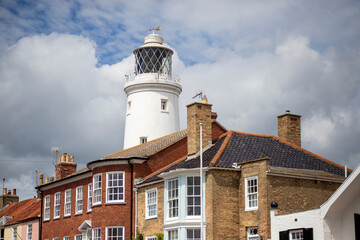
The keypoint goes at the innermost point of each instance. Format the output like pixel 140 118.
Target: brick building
pixel 20 220
pixel 98 201
pixel 245 175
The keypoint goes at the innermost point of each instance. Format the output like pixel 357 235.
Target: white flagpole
pixel 201 183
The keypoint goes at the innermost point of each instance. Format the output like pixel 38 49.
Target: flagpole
pixel 201 184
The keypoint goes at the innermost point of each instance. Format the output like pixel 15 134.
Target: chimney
pixel 41 179
pixel 46 180
pixel 4 191
pixel 9 192
pixel 289 128
pixel 65 166
pixel 51 178
pixel 198 113
pixel 14 191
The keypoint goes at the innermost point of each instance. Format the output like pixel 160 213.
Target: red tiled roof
pixel 22 211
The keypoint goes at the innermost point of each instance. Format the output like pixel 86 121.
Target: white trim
pixel 92 233
pixel 59 194
pixel 93 189
pixel 90 194
pixel 45 201
pixel 249 234
pixel 146 203
pixel 123 187
pixel 31 232
pixel 295 231
pixel 181 172
pixel 151 237
pixel 66 181
pixel 247 207
pixel 123 231
pixel 67 237
pixel 77 211
pixel 65 202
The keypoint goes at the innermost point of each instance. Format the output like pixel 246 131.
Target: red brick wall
pixel 65 226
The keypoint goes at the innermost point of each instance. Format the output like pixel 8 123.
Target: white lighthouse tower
pixel 152 94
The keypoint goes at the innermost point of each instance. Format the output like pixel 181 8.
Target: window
pixel 14 237
pixel 78 237
pixel 164 105
pixel 193 234
pixel 173 198
pixel 151 203
pixel 66 238
pixel 79 200
pixel 115 233
pixel 56 238
pixel 67 206
pixel 251 193
pixel 47 207
pixel 97 189
pixel 173 234
pixel 296 235
pixel 89 202
pixel 129 108
pixel 252 233
pixel 143 140
pixel 57 205
pixel 193 196
pixel 96 234
pixel 151 238
pixel 115 187
pixel 29 232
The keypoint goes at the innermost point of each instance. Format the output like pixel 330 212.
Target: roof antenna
pixel 200 95
pixel 55 151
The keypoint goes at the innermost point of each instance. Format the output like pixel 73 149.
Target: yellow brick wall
pixel 150 226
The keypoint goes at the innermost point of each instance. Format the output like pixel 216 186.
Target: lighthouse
pixel 152 94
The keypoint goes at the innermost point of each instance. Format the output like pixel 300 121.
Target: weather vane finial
pixel 155 29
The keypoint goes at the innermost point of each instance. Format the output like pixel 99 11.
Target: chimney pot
pixel 41 178
pixel 46 180
pixel 9 192
pixel 14 191
pixel 287 111
pixel 4 191
pixel 51 179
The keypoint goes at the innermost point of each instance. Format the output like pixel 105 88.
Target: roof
pixel 239 148
pixel 22 211
pixel 149 148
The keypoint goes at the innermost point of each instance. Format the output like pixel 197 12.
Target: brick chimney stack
pixel 289 128
pixel 65 166
pixel 199 113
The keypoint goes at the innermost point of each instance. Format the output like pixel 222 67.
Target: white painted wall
pixel 306 219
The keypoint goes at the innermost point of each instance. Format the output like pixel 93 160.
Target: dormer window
pixel 164 106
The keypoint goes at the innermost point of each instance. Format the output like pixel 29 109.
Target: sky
pixel 63 66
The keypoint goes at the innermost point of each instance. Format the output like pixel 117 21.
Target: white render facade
pixel 152 94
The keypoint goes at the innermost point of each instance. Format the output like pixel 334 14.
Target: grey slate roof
pixel 237 147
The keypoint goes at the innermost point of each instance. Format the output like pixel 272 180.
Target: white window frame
pixel 172 199
pixel 97 189
pixel 96 234
pixel 143 140
pixel 57 203
pixel 78 237
pixel 149 202
pixel 47 208
pixel 193 196
pixel 89 198
pixel 164 105
pixel 251 193
pixel 67 202
pixel 122 237
pixel 151 237
pixel 119 186
pixel 300 231
pixel 66 237
pixel 14 235
pixel 170 233
pixel 252 233
pixel 29 232
pixel 193 229
pixel 79 200
pixel 56 238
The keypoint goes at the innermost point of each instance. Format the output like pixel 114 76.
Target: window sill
pixel 96 205
pixel 164 111
pixel 47 220
pixel 67 216
pixel 115 203
pixel 79 213
pixel 88 211
pixel 250 209
pixel 149 218
pixel 57 218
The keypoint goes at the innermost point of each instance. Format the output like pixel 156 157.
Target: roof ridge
pixel 163 168
pixel 253 134
pixel 125 150
pixel 222 147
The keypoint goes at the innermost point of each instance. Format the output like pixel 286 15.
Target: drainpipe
pixel 136 211
pixel 131 197
pixel 41 210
